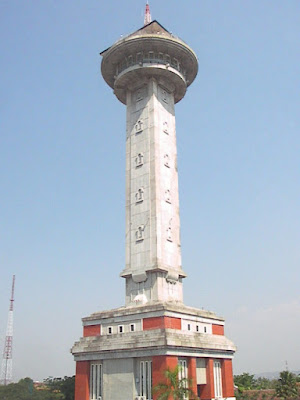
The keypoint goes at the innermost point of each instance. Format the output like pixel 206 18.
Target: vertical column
pixel 159 365
pixel 82 379
pixel 227 378
pixel 192 374
pixel 208 392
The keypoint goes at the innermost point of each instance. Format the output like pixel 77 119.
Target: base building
pixel 124 352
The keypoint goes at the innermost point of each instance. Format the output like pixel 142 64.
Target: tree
pixel 65 386
pixel 286 387
pixel 174 386
pixel 25 390
pixel 244 381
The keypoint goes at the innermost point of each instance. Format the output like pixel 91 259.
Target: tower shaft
pixel 153 256
pixel 6 368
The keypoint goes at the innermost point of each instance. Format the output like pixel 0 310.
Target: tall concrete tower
pixel 149 71
pixel 124 352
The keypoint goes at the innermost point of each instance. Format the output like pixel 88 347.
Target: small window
pixel 109 330
pixel 205 329
pixel 121 328
pixel 129 60
pixel 189 327
pixel 139 57
pixel 132 327
pixel 197 328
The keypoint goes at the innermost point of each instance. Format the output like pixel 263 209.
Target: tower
pixel 6 368
pixel 124 352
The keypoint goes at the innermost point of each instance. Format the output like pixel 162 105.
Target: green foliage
pixel 262 388
pixel 264 383
pixel 65 386
pixel 286 387
pixel 248 382
pixel 52 389
pixel 174 387
pixel 244 381
pixel 25 390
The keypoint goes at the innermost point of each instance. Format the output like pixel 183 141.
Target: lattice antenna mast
pixel 6 370
pixel 147 18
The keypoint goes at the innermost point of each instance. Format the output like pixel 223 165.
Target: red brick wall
pixel 82 378
pixel 91 330
pixel 218 329
pixel 161 323
pixel 159 365
pixel 208 391
pixel 192 376
pixel 172 323
pixel 227 378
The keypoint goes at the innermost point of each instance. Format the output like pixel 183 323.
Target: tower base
pixel 124 352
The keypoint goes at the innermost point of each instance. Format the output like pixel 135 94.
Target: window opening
pixel 183 373
pixel 217 379
pixel 146 379
pixel 95 381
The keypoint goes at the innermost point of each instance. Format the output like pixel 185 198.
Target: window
pixel 121 328
pixel 109 330
pixel 189 327
pixel 139 196
pixel 132 327
pixel 139 234
pixel 205 329
pixel 217 379
pixel 146 379
pixel 197 328
pixel 95 381
pixel 139 160
pixel 139 126
pixel 129 60
pixel 168 58
pixel 183 372
pixel 139 58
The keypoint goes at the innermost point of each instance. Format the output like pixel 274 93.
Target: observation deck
pixel 151 51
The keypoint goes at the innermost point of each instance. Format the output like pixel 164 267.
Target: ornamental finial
pixel 147 18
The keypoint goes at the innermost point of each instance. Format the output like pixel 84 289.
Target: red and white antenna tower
pixel 6 370
pixel 147 18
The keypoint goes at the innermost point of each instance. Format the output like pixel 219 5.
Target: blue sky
pixel 62 173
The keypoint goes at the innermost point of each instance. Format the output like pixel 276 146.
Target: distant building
pixel 124 352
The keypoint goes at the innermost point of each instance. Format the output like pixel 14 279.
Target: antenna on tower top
pixel 147 18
